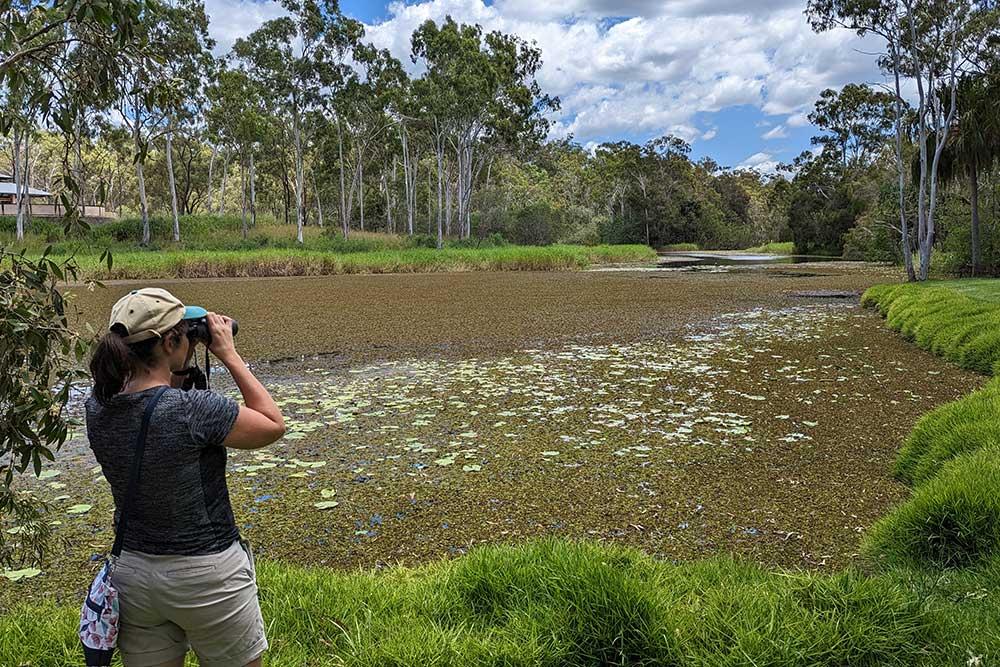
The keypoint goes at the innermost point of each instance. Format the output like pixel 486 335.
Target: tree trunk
pixel 974 198
pixel 143 207
pixel 286 190
pixel 173 186
pixel 18 193
pixel 141 182
pixel 900 167
pixel 361 191
pixel 298 177
pixel 319 201
pixel 211 166
pixel 253 191
pixel 430 203
pixel 439 150
pixel 26 177
pixel 225 177
pixel 243 196
pixel 409 178
pixel 447 200
pixel 344 222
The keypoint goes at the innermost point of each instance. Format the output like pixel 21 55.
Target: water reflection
pixel 680 260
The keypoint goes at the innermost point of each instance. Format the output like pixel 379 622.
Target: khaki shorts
pixel 170 604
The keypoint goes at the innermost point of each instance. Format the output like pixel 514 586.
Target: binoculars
pixel 198 331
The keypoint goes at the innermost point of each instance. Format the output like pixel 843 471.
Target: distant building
pixel 8 194
pixel 42 204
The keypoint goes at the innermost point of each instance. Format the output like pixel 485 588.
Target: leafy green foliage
pixel 42 360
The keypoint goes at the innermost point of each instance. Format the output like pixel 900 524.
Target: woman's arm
pixel 259 422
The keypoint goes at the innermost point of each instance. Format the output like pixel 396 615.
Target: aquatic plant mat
pixel 697 416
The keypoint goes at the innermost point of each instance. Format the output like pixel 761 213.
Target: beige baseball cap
pixel 150 312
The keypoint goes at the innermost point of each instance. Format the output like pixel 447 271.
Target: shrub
pixel 871 241
pixel 424 241
pixel 952 519
pixel 586 234
pixel 536 224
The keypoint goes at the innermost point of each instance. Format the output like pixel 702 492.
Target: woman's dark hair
pixel 114 361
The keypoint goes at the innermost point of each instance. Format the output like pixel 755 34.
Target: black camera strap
pixel 133 482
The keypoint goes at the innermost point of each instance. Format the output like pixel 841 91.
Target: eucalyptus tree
pixel 857 121
pixel 409 133
pixel 974 146
pixel 183 34
pixel 362 109
pixel 149 96
pixel 237 116
pixel 931 42
pixel 478 92
pixel 298 60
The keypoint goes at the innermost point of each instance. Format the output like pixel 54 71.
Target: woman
pixel 185 577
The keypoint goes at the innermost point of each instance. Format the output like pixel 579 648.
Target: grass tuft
pixel 966 425
pixel 961 325
pixel 952 520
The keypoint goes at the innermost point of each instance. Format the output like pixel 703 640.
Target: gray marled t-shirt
pixel 183 502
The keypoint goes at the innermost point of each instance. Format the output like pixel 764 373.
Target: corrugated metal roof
pixel 8 189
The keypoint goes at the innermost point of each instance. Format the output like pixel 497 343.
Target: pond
pixel 687 414
pixel 683 260
pixel 718 262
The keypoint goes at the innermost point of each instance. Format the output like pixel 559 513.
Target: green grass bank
pixel 952 457
pixel 304 262
pixel 214 247
pixel 561 603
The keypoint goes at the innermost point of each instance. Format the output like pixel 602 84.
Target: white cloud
pixel 652 73
pixel 231 19
pixel 776 132
pixel 641 76
pixel 708 135
pixel 762 162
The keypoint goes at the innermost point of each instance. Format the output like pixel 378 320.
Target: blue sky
pixel 735 78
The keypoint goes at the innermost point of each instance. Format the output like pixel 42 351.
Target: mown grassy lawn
pixel 983 289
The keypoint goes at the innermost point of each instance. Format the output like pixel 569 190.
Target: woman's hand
pixel 221 328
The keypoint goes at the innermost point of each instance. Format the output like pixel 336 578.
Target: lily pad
pixel 26 573
pixel 79 509
pixel 472 467
pixel 325 504
pixel 328 493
